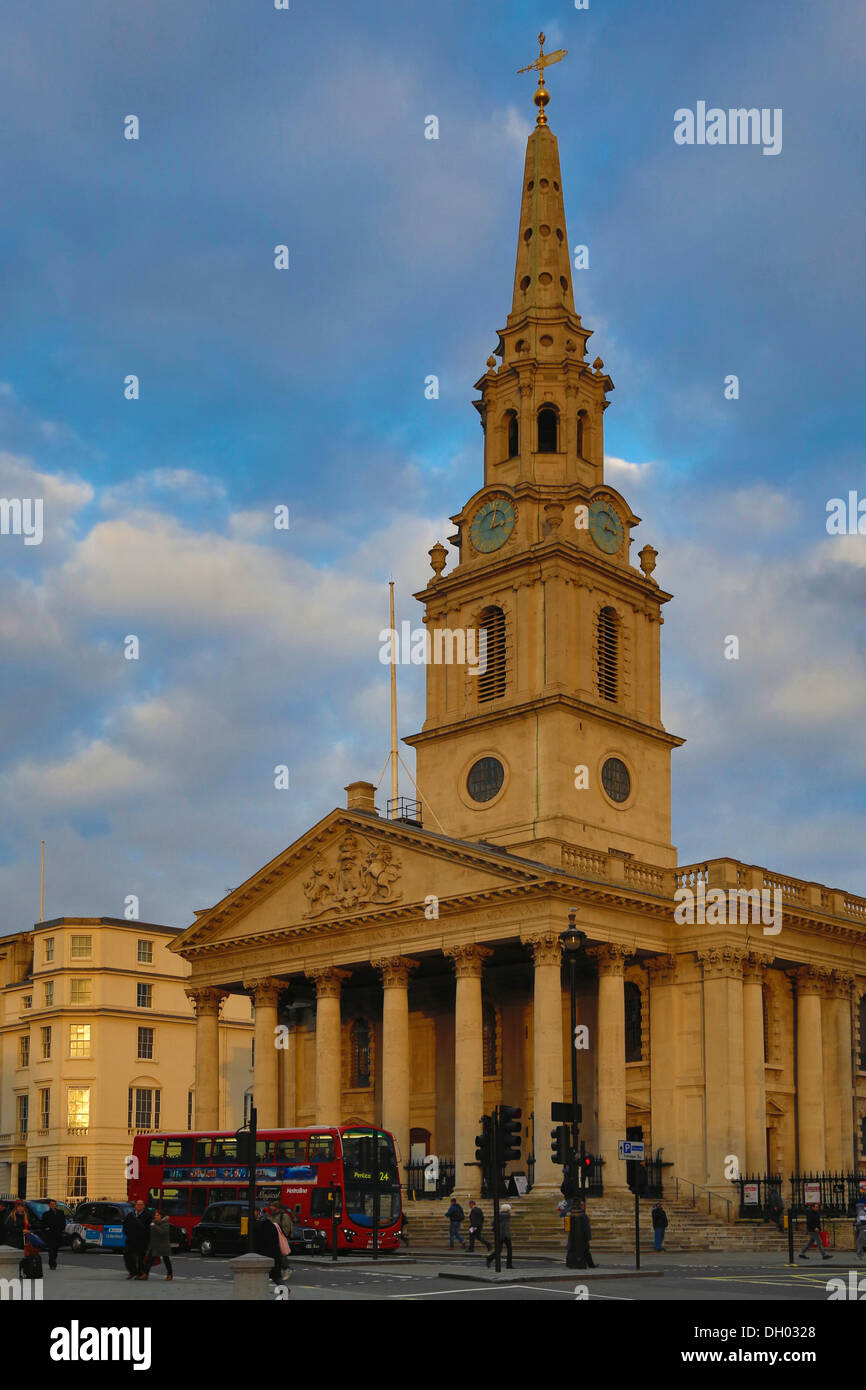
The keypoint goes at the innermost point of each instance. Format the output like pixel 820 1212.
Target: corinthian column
pixel 468 962
pixel 395 971
pixel 754 1062
pixel 329 1072
pixel 546 951
pixel 838 1078
pixel 611 1057
pixel 207 1003
pixel 725 1079
pixel 265 992
pixel 810 1068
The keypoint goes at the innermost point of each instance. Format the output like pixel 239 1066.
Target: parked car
pixel 219 1233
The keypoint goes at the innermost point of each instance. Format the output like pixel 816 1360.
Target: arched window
pixel 580 419
pixel 489 1025
pixel 513 434
pixel 863 1032
pixel 491 684
pixel 608 654
pixel 547 429
pixel 633 1032
pixel 359 1051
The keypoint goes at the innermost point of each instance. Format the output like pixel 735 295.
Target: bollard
pixel 251 1277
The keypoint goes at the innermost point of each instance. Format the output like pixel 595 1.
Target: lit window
pixel 78 1107
pixel 79 1039
pixel 79 991
pixel 81 947
pixel 144 996
pixel 145 952
pixel 76 1177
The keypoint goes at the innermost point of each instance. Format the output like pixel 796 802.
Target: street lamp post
pixel 572 944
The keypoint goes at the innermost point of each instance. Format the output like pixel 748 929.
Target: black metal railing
pixel 416 1179
pixel 403 809
pixel 836 1193
pixel 755 1189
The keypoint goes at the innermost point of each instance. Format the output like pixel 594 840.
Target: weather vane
pixel 544 60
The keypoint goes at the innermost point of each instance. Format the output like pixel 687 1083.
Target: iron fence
pixel 837 1194
pixel 755 1189
pixel 416 1183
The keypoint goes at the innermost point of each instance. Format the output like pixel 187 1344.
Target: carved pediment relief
pixel 352 874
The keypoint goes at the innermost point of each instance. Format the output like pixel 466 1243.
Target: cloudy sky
pixel 306 388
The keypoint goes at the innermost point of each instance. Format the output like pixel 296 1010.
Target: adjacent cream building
pixel 406 966
pixel 97 1043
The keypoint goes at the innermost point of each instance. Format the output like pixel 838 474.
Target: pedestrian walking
pixel 813 1226
pixel 775 1207
pixel 53 1226
pixel 158 1245
pixel 404 1222
pixel 136 1227
pixel 504 1236
pixel 860 1228
pixel 578 1254
pixel 476 1222
pixel 660 1225
pixel 455 1214
pixel 17 1225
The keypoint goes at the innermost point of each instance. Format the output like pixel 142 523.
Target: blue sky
pixel 155 257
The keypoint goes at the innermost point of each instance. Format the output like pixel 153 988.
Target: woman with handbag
pixel 158 1245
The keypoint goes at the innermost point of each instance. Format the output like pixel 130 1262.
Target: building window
pixel 78 1107
pixel 189 1109
pixel 492 652
pixel 633 1030
pixel 145 1044
pixel 513 434
pixel 49 994
pixel 145 952
pixel 49 949
pixel 46 1044
pixel 76 1177
pixel 81 947
pixel 616 780
pixel 547 428
pixel 79 991
pixel 607 644
pixel 485 779
pixel 144 996
pixel 79 1039
pixel 359 1051
pixel 28 1001
pixel 143 1111
pixel 22 1109
pixel 42 1178
pixel 24 1051
pixel 862 1013
pixel 45 1109
pixel 489 1039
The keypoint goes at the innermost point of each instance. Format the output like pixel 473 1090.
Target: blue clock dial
pixel 492 524
pixel 605 526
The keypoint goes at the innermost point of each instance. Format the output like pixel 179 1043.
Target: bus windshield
pixel 358 1169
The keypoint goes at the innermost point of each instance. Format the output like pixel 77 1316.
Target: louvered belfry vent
pixel 608 655
pixel 492 683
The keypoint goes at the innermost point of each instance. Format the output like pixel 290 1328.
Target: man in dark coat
pixel 660 1225
pixel 53 1226
pixel 476 1222
pixel 136 1228
pixel 813 1227
pixel 775 1207
pixel 579 1255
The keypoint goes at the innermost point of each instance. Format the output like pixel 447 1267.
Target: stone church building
pixel 414 954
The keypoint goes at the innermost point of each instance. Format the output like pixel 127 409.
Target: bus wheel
pixel 77 1245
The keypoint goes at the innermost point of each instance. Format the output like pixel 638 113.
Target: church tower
pixel 553 743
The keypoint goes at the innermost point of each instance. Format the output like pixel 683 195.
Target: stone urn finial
pixel 438 557
pixel 597 365
pixel 647 559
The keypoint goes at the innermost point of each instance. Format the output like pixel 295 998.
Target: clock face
pixel 492 525
pixel 605 526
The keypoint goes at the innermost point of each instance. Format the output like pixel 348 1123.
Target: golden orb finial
pixel 544 60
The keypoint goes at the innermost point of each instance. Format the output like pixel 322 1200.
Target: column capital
pixel 468 960
pixel 545 946
pixel 264 989
pixel 611 957
pixel 840 984
pixel 722 962
pixel 662 970
pixel 328 980
pixel 755 966
pixel 810 979
pixel 395 970
pixel 206 1000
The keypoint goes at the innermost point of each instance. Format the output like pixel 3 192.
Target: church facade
pixel 406 967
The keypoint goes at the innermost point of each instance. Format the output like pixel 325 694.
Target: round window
pixel 615 780
pixel 485 779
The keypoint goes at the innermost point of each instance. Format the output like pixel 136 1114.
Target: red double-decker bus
pixel 297 1168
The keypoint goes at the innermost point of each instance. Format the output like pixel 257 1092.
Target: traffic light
pixel 244 1147
pixel 509 1133
pixel 484 1144
pixel 559 1145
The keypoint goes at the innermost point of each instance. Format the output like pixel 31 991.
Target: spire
pixel 542 275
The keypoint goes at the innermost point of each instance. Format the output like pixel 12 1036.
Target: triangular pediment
pixel 357 867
